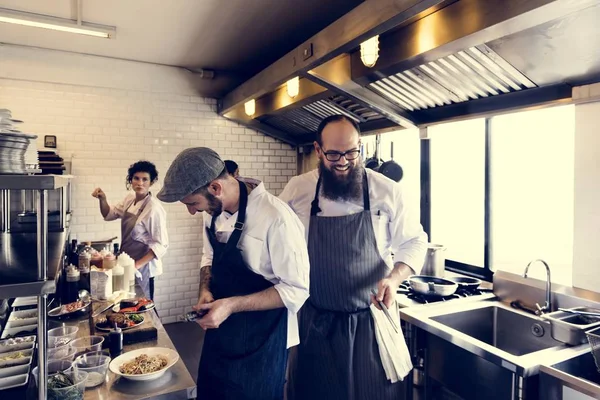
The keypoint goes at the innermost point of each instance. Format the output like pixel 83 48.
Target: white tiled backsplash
pixel 102 131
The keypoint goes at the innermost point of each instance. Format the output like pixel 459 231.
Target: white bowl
pixel 171 356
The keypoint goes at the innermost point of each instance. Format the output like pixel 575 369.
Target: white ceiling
pixel 237 38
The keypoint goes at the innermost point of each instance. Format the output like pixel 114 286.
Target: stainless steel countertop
pixel 177 383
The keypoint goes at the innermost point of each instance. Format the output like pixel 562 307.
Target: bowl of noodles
pixel 144 364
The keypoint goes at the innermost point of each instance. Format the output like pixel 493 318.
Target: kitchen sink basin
pixel 515 333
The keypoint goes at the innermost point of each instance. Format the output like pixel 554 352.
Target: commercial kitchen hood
pixel 438 61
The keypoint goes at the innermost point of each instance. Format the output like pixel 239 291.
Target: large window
pixel 532 178
pixel 502 191
pixel 457 189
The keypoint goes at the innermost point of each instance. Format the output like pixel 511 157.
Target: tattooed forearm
pixel 205 278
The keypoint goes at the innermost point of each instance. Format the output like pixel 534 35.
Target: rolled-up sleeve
pixel 408 239
pixel 156 226
pixel 116 211
pixel 289 259
pixel 207 250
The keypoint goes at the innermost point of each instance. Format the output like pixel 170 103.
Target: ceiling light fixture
pixel 57 24
pixel 293 87
pixel 369 51
pixel 250 107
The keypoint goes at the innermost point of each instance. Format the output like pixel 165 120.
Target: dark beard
pixel 215 206
pixel 345 188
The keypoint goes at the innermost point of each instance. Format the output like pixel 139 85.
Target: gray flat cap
pixel 191 169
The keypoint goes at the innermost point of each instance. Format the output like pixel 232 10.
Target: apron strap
pixel 239 224
pixel 314 205
pixel 241 218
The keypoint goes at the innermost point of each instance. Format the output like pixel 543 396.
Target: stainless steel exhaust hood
pixel 455 60
pixel 467 75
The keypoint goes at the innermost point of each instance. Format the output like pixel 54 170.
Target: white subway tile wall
pixel 102 131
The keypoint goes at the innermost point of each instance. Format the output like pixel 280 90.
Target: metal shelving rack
pixel 42 286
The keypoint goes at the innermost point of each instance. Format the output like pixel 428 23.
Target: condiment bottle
pixel 115 342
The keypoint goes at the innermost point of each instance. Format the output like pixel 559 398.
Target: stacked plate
pixel 51 163
pixel 13 145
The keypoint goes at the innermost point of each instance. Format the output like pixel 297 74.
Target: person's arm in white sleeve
pixel 289 259
pixel 409 245
pixel 408 239
pixel 116 212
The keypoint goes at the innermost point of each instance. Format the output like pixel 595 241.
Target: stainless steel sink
pixel 515 333
pixel 578 375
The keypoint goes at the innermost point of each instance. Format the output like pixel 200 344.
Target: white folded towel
pixel 393 351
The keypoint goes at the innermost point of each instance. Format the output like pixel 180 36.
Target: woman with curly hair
pixel 143 223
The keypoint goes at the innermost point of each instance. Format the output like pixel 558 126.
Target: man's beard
pixel 345 187
pixel 215 206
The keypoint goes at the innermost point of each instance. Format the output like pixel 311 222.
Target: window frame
pixel 481 272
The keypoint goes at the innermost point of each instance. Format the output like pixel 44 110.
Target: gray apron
pixel 338 357
pixel 135 249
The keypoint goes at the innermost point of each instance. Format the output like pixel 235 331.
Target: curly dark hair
pixel 141 166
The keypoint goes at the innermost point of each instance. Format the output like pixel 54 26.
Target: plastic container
pixel 128 265
pixel 95 364
pixel 60 336
pixel 54 367
pixel 74 392
pixel 87 344
pixel 118 276
pixel 64 352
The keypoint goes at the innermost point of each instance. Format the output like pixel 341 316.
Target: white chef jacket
pixel 272 245
pixel 150 228
pixel 398 232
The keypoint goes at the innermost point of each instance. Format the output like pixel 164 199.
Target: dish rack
pixel 594 339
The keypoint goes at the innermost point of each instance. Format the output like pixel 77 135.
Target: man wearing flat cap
pixel 253 280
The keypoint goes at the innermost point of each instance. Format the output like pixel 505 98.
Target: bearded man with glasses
pixel 362 238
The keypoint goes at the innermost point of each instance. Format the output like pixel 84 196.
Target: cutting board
pixel 142 333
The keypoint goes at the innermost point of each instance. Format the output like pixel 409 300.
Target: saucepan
pixel 432 286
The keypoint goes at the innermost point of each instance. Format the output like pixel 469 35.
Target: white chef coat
pixel 150 228
pixel 398 232
pixel 272 245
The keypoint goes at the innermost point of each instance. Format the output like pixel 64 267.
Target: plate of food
pixel 134 306
pixel 145 364
pixel 69 308
pixel 123 321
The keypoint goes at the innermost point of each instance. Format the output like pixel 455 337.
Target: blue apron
pixel 245 358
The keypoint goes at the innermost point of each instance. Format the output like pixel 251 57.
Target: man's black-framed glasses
pixel 336 155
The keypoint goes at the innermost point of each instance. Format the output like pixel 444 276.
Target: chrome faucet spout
pixel 548 306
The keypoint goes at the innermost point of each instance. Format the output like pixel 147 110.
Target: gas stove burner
pixel 425 299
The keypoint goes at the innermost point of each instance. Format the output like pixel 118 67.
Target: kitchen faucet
pixel 548 306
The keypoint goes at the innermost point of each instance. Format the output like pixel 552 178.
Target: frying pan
pixel 467 283
pixel 432 286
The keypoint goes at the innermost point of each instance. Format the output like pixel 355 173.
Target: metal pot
pixel 435 261
pixel 432 286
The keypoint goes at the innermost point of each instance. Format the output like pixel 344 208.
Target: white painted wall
pixel 109 113
pixel 586 257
